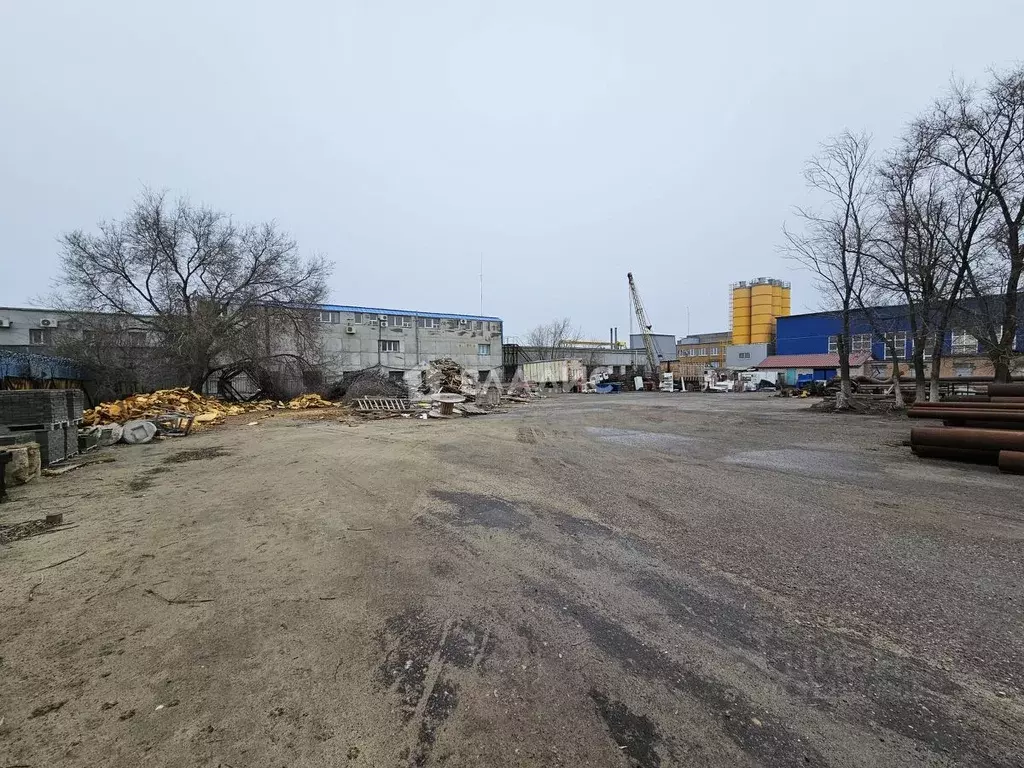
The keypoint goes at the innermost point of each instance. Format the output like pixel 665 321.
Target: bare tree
pixel 202 290
pixel 831 241
pixel 978 135
pixel 920 250
pixel 553 336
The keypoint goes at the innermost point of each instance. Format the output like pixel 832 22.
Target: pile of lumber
pixel 983 429
pixel 206 410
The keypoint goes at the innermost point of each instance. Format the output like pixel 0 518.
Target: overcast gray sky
pixel 566 142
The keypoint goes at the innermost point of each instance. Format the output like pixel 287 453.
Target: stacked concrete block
pixel 70 440
pixel 33 407
pixel 76 404
pixel 51 445
pixel 49 416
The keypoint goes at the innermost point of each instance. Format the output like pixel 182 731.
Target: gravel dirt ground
pixel 624 580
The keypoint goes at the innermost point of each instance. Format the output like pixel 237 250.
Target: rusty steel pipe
pixel 1015 425
pixel 956 454
pixel 973 414
pixel 1011 462
pixel 961 437
pixel 1005 390
pixel 995 404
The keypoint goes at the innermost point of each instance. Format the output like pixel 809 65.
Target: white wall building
pixel 353 337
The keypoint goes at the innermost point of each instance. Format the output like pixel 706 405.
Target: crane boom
pixel 645 327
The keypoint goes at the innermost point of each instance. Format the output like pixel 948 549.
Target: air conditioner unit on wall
pixel 47 322
pixel 382 317
pixel 5 322
pixel 350 329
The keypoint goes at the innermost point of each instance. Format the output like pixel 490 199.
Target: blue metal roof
pixel 23 365
pixel 379 311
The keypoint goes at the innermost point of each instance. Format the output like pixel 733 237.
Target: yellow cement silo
pixel 785 301
pixel 740 313
pixel 762 321
pixel 776 298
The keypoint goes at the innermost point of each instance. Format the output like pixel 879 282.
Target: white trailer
pixel 555 372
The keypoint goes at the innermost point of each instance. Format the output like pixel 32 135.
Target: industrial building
pixel 703 349
pixel 664 345
pixel 353 337
pixel 807 346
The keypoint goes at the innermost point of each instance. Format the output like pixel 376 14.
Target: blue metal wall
pixel 808 334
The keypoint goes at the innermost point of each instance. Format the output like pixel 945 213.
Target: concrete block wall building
pixel 354 338
pixel 403 339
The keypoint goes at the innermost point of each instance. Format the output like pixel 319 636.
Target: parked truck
pixel 567 373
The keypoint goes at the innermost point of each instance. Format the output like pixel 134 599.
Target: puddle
pixel 653 441
pixel 482 510
pixel 824 464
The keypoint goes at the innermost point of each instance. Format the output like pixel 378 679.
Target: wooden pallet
pixel 368 404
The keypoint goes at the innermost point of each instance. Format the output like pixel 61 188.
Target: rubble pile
pixel 374 382
pixel 446 375
pixel 206 410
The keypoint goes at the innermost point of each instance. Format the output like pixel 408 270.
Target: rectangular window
pixel 714 350
pixel 495 327
pixel 330 317
pixel 899 340
pixel 477 325
pixel 389 345
pixel 39 336
pixel 357 318
pixel 861 342
pixel 744 355
pixel 483 349
pixel 833 345
pixel 406 321
pixel 964 343
pixel 428 322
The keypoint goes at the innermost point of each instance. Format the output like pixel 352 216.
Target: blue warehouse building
pixel 806 346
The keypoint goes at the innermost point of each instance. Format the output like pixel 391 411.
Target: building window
pixel 744 355
pixel 389 345
pixel 495 327
pixel 406 321
pixel 861 342
pixel 897 339
pixel 964 343
pixel 714 350
pixel 428 322
pixel 330 317
pixel 483 349
pixel 39 336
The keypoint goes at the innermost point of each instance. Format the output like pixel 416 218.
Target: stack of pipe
pixel 984 429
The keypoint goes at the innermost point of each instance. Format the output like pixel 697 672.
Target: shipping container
pixel 568 372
